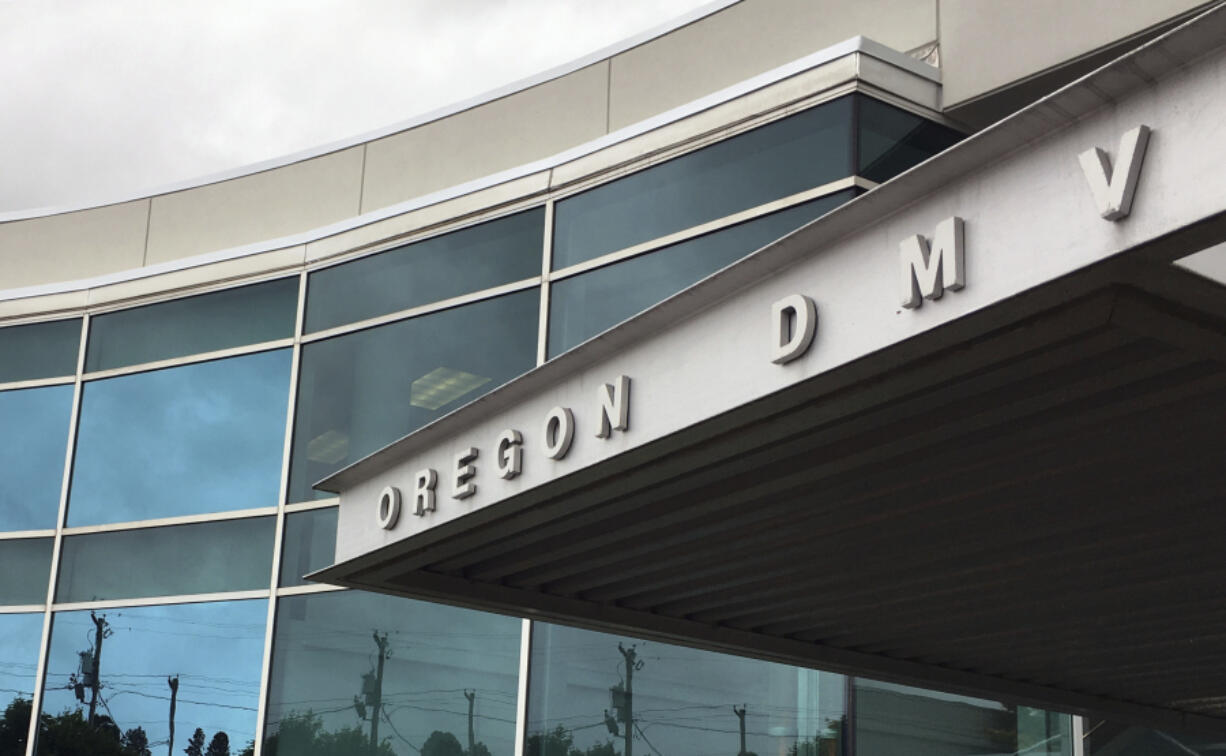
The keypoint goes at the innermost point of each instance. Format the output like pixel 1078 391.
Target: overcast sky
pixel 107 99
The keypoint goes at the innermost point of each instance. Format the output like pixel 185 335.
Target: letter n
pixel 614 403
pixel 928 269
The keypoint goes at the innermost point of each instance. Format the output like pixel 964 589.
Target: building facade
pixel 178 372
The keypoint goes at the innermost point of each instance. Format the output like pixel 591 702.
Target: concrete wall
pixel 987 45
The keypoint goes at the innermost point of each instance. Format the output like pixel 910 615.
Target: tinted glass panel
pixel 198 438
pixel 20 635
pixel 41 350
pixel 1107 738
pixel 309 544
pixel 32 447
pixel 361 391
pixel 25 565
pixel 471 259
pixel 584 305
pixel 415 701
pixel 776 160
pixel 247 315
pixel 892 719
pixel 587 691
pixel 210 652
pixel 230 555
pixel 893 140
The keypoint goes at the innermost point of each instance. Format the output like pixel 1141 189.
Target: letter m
pixel 927 270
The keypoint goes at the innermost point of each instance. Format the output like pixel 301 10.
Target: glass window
pixel 309 544
pixel 1108 738
pixel 584 305
pixel 205 437
pixel 892 140
pixel 471 259
pixel 20 635
pixel 25 566
pixel 228 555
pixel 592 694
pixel 132 680
pixel 892 719
pixel 782 158
pixel 204 323
pixel 419 679
pixel 39 350
pixel 361 391
pixel 774 161
pixel 32 449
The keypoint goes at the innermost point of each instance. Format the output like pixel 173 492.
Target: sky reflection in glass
pixel 584 305
pixel 213 649
pixel 25 565
pixel 19 638
pixel 32 446
pixel 325 644
pixel 363 390
pixel 206 437
pixel 203 557
pixel 683 699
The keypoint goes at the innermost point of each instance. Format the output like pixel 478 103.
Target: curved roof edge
pixel 440 113
pixel 855 45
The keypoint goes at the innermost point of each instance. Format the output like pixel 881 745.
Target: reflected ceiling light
pixel 330 447
pixel 442 386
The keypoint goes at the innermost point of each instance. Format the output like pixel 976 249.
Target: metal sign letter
pixel 927 270
pixel 1114 189
pixel 614 407
pixel 793 323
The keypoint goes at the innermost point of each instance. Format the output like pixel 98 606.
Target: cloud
pixel 107 100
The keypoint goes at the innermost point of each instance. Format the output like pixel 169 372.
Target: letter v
pixel 1113 190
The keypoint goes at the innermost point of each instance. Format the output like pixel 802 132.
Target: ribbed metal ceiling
pixel 1041 506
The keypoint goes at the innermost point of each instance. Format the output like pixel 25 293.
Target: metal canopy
pixel 1021 499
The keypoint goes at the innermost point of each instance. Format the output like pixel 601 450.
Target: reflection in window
pixel 471 259
pixel 25 565
pixel 207 557
pixel 20 635
pixel 774 161
pixel 32 447
pixel 593 694
pixel 361 391
pixel 122 682
pixel 309 544
pixel 893 719
pixel 204 323
pixel 584 305
pixel 1109 738
pixel 199 438
pixel 39 350
pixel 892 140
pixel 352 668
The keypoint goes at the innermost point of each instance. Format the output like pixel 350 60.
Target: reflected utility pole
pixel 92 676
pixel 740 715
pixel 626 710
pixel 372 688
pixel 472 698
pixel 173 682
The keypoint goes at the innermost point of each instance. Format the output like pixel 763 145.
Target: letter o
pixel 559 432
pixel 389 507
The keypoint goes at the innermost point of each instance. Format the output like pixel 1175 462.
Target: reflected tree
pixel 219 745
pixel 136 742
pixel 68 734
pixel 442 744
pixel 304 735
pixel 828 743
pixel 560 742
pixel 195 744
